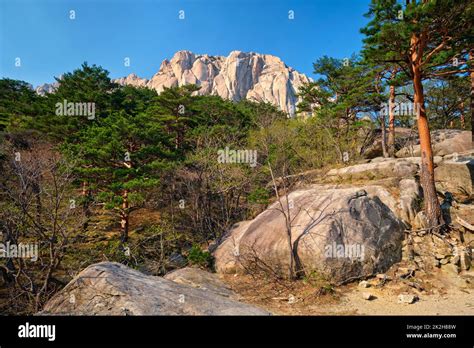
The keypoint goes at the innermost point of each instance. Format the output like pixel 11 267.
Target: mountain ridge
pixel 240 75
pixel 253 76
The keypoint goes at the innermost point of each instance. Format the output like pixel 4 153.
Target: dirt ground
pixel 439 293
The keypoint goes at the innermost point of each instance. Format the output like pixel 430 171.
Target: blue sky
pixel 105 32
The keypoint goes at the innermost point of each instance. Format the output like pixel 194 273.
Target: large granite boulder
pixel 456 176
pixel 110 288
pixel 200 279
pixel 407 144
pixel 340 233
pixel 411 196
pixel 379 167
pixel 444 142
pixel 372 144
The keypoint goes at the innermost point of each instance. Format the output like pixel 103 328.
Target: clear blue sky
pixel 148 31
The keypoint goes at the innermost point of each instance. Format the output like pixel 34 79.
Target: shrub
pixel 199 257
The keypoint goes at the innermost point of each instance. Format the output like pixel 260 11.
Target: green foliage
pixel 346 89
pixel 88 84
pixel 445 24
pixel 319 281
pixel 447 102
pixel 259 196
pixel 199 257
pixel 293 146
pixel 17 101
pixel 173 110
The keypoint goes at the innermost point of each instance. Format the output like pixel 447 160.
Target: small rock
pixel 444 261
pixel 405 272
pixel 367 296
pixel 417 239
pixel 364 284
pixel 419 262
pixel 407 298
pixel 420 221
pixel 416 286
pixel 455 260
pixel 383 276
pixel 452 268
pixel 443 251
pixel 176 260
pixel 465 259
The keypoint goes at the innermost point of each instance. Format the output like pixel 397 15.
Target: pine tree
pixel 18 102
pixel 347 88
pixel 423 39
pixel 121 158
pixel 173 109
pixel 88 84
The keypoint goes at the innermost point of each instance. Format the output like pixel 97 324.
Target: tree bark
pixel 391 122
pixel 125 212
pixel 384 135
pixel 124 217
pixel 86 195
pixel 471 58
pixel 431 204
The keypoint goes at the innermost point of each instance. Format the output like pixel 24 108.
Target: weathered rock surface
pixel 372 144
pixel 380 167
pixel 407 298
pixel 46 88
pixel 444 142
pixel 133 80
pixel 110 288
pixel 456 176
pixel 342 233
pixel 410 199
pixel 253 76
pixel 200 279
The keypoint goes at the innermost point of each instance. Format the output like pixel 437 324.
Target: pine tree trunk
pixel 124 217
pixel 384 136
pixel 86 193
pixel 391 122
pixel 471 58
pixel 432 207
pixel 431 203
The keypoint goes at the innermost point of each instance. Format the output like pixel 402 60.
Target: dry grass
pixel 284 297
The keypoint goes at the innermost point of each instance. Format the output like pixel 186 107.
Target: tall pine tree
pixel 424 39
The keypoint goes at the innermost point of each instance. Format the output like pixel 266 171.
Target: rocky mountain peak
pixel 240 75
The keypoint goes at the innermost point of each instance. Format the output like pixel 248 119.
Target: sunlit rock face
pixel 253 76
